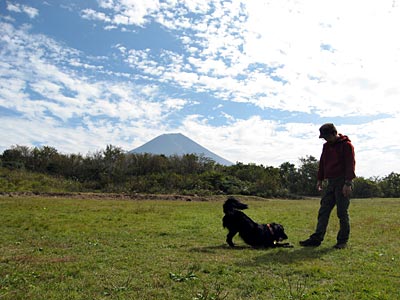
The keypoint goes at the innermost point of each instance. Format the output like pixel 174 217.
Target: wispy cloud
pixel 250 80
pixel 43 89
pixel 127 12
pixel 247 52
pixel 20 8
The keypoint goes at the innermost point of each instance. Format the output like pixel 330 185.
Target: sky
pixel 250 80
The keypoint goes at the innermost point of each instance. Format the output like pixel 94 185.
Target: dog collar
pixel 270 229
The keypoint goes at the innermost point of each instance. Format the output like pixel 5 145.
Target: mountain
pixel 178 144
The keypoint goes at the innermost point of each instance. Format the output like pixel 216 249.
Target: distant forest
pixel 112 170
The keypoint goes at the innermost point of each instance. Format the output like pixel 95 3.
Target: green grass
pixel 23 181
pixel 54 248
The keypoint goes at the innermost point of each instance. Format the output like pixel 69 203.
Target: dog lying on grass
pixel 253 234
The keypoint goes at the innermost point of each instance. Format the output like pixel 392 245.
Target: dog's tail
pixel 231 204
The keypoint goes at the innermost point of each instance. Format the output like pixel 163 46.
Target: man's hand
pixel 347 190
pixel 319 185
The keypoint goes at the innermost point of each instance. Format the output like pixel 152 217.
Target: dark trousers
pixel 333 196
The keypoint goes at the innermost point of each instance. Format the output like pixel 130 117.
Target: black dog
pixel 255 235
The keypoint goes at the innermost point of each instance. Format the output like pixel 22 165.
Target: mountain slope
pixel 178 144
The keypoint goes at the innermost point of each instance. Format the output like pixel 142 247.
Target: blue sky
pixel 250 80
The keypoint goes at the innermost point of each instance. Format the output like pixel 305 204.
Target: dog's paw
pixel 284 245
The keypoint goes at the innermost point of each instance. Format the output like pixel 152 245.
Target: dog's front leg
pixel 229 238
pixel 283 245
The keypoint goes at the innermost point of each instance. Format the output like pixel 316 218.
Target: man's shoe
pixel 310 243
pixel 340 246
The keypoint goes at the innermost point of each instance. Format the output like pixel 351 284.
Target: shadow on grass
pixel 213 249
pixel 271 255
pixel 287 256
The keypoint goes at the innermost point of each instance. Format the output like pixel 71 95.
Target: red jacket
pixel 337 160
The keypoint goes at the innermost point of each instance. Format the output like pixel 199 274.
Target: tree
pixel 390 185
pixel 12 159
pixel 113 166
pixel 365 188
pixel 44 159
pixel 290 178
pixel 268 184
pixel 308 172
pixel 112 169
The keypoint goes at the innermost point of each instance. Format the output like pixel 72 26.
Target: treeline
pixel 113 170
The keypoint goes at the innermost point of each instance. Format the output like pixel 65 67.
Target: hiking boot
pixel 340 246
pixel 310 243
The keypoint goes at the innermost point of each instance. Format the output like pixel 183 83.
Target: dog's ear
pixel 277 227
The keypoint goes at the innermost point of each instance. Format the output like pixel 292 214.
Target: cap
pixel 327 129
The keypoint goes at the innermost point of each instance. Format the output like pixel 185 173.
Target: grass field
pixel 56 248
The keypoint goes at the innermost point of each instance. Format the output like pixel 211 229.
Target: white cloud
pixel 359 71
pixel 329 59
pixel 345 81
pixel 91 14
pixel 20 8
pixel 175 103
pixel 272 143
pixel 105 111
pixel 255 140
pixel 126 12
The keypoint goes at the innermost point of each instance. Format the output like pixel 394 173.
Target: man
pixel 337 165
